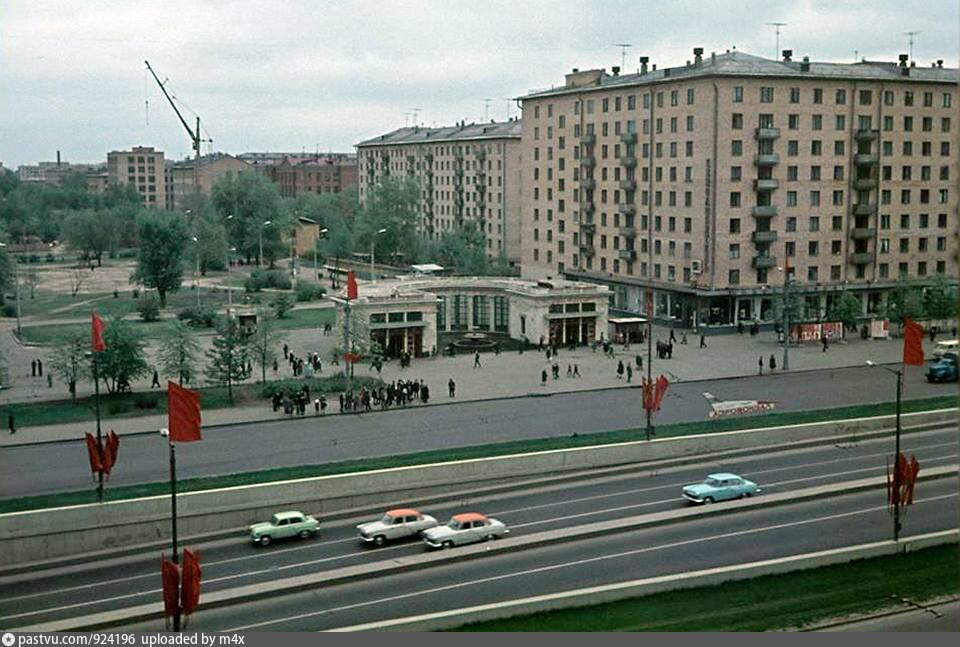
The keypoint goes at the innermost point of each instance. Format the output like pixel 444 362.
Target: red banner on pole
pixel 190 591
pixel 96 334
pixel 93 453
pixel 351 285
pixel 109 451
pixel 912 343
pixel 170 573
pixel 183 413
pixel 660 392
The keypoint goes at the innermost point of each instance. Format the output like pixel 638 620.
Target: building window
pixel 481 317
pixel 794 95
pixel 738 94
pixel 766 95
pixel 841 97
pixel 459 318
pixel 733 277
pixel 737 121
pixel 501 314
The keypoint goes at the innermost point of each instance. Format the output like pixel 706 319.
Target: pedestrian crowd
pixel 399 393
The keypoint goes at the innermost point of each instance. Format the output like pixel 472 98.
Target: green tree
pixel 245 201
pixel 229 357
pixel 69 361
pixel 6 274
pixel 790 306
pixel 905 301
pixel 281 305
pixel 123 361
pixel 178 352
pixel 465 250
pixel 264 341
pixel 940 299
pixel 160 261
pixel 86 232
pixel 847 309
pixel 390 205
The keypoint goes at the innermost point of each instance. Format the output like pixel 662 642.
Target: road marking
pixel 579 562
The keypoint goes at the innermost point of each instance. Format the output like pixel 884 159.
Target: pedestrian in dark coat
pixel 33 368
pixel 760 364
pixel 543 377
pixel 620 369
pixel 629 373
pixel 576 370
pixel 424 393
pixel 476 359
pixel 673 337
pixel 452 387
pixel 739 327
pixel 11 425
pixel 703 341
pixel 39 368
pixel 773 362
pixel 286 351
pixel 156 379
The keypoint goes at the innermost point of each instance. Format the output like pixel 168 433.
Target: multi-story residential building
pixel 182 181
pixel 467 172
pixel 54 173
pixel 142 167
pixel 313 175
pixel 703 185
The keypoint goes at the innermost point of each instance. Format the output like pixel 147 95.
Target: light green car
pixel 284 525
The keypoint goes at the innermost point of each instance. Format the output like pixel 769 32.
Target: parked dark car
pixel 944 370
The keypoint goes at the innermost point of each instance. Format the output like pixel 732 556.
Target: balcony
pixel 628 138
pixel 630 161
pixel 865 209
pixel 587 249
pixel 588 162
pixel 588 183
pixel 481 154
pixel 867 134
pixel 628 185
pixel 588 228
pixel 627 232
pixel 629 255
pixel 764 211
pixel 764 236
pixel 627 209
pixel 863 233
pixel 865 183
pixel 458 172
pixel 766 185
pixel 764 262
pixel 767 159
pixel 866 159
pixel 767 133
pixel 862 258
pixel 589 139
pixel 587 208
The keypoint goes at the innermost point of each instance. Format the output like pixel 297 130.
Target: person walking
pixel 424 393
pixel 825 341
pixel 39 367
pixel 543 377
pixel 703 341
pixel 11 425
pixel 576 370
pixel 452 387
pixel 476 359
pixel 620 369
pixel 156 380
pixel 683 339
pixel 639 360
pixel 629 373
pixel 548 355
pixel 275 367
pixel 33 368
pixel 760 364
pixel 739 327
pixel 286 351
pixel 556 371
pixel 673 337
pixel 569 371
pixel 773 363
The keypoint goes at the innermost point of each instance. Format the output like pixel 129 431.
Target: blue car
pixel 945 370
pixel 720 487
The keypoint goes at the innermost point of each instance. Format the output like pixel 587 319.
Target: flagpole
pixel 96 390
pixel 173 520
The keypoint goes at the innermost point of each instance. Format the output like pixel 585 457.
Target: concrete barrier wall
pixel 50 533
pixel 637 588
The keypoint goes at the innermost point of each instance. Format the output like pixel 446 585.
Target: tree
pixel 465 249
pixel 6 274
pixel 264 341
pixel 69 362
pixel 229 356
pixel 123 361
pixel 281 305
pixel 178 352
pixel 789 305
pixel 149 308
pixel 31 278
pixel 940 299
pixel 160 261
pixel 251 200
pixel 847 310
pixel 390 205
pixel 78 275
pixel 905 301
pixel 87 232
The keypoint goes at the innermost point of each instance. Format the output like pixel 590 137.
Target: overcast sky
pixel 301 75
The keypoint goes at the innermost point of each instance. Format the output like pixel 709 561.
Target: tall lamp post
pixel 785 365
pixel 373 245
pixel 899 373
pixel 16 278
pixel 265 224
pixel 323 233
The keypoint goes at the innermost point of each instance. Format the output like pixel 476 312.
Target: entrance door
pixel 556 332
pixel 571 330
pixel 415 341
pixel 395 343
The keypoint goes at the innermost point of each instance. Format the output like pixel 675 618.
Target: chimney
pixel 575 70
pixel 903 59
pixel 913 63
pixel 805 64
pixel 787 55
pixel 653 68
pixel 939 62
pixel 58 158
pixel 616 70
pixel 643 64
pixel 697 55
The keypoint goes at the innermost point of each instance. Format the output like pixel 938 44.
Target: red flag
pixel 183 413
pixel 97 329
pixel 661 391
pixel 110 451
pixel 913 343
pixel 351 285
pixel 352 358
pixel 93 453
pixel 648 396
pixel 190 593
pixel 913 469
pixel 170 573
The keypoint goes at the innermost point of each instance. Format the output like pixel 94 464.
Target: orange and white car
pixel 465 528
pixel 401 523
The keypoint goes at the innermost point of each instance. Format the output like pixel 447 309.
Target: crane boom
pixel 194 136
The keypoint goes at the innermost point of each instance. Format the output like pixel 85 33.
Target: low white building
pixel 419 314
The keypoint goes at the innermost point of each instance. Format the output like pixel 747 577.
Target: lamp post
pixel 231 249
pixel 197 241
pixel 165 432
pixel 323 233
pixel 899 373
pixel 16 278
pixel 260 257
pixel 229 288
pixel 373 241
pixel 785 365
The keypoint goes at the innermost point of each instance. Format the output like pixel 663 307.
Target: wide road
pixel 26 470
pixel 111 584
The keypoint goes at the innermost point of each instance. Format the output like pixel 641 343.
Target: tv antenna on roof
pixel 416 115
pixel 623 53
pixel 486 110
pixel 777 26
pixel 911 34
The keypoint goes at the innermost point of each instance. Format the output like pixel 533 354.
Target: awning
pixel 627 320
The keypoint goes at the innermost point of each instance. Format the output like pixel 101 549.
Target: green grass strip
pixel 466 453
pixel 764 603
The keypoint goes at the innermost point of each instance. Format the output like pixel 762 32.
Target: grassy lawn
pixel 459 453
pixel 765 603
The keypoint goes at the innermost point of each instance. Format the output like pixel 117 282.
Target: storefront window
pixel 501 314
pixel 459 319
pixel 481 316
pixel 378 318
pixel 441 314
pixel 414 316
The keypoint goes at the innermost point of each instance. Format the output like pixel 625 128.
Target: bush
pixel 281 305
pixel 317 385
pixel 309 291
pixel 260 279
pixel 146 400
pixel 149 308
pixel 9 310
pixel 117 406
pixel 203 318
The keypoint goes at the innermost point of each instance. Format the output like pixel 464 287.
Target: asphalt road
pixel 111 584
pixel 26 470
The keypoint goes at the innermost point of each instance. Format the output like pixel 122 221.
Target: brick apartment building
pixel 465 172
pixel 296 173
pixel 181 180
pixel 707 182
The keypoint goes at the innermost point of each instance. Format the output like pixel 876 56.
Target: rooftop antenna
pixel 406 119
pixel 777 26
pixel 486 110
pixel 911 34
pixel 623 54
pixel 509 101
pixel 416 115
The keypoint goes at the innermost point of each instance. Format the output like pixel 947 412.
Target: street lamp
pixel 899 373
pixel 785 365
pixel 229 287
pixel 323 233
pixel 373 240
pixel 16 275
pixel 260 257
pixel 197 241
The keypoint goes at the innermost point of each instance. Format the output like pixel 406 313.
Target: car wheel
pixel 749 494
pixel 305 534
pixel 489 537
pixel 447 544
pixel 379 540
pixel 265 540
pixel 707 500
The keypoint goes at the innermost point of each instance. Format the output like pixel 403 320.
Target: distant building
pixel 181 179
pixel 296 173
pixel 143 168
pixel 467 172
pixel 54 173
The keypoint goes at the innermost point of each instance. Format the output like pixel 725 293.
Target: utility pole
pixel 786 311
pixel 777 26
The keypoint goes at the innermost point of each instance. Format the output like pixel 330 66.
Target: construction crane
pixel 195 139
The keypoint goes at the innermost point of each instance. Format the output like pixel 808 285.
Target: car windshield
pixel 386 519
pixel 712 482
pixel 453 524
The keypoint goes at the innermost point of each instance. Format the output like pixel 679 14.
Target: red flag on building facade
pixel 93 453
pixel 170 573
pixel 912 343
pixel 96 336
pixel 190 590
pixel 183 413
pixel 351 285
